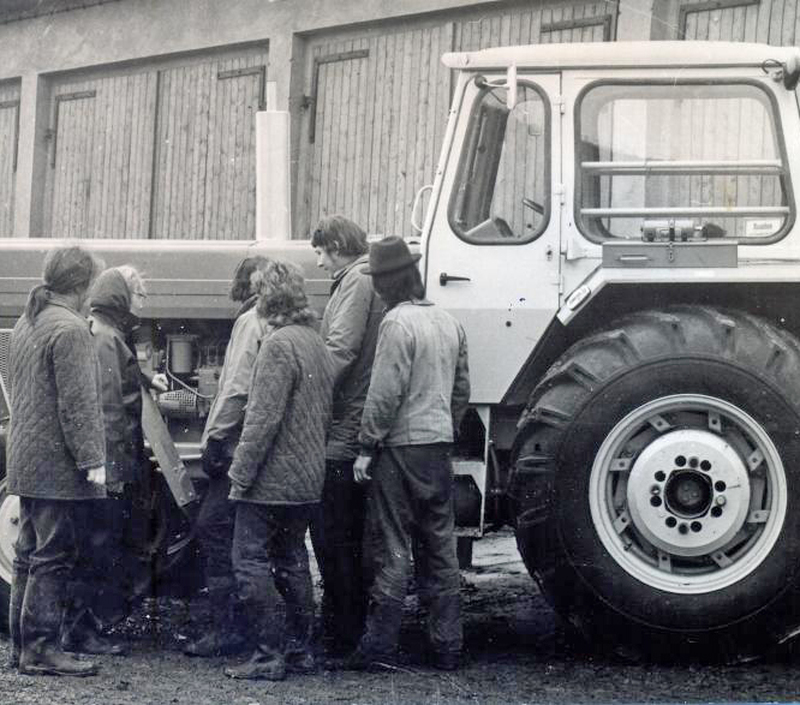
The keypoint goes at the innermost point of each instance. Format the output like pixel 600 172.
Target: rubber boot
pixel 42 610
pixel 268 661
pixel 227 633
pixel 18 583
pixel 378 647
pixel 299 625
pixel 83 636
pixel 445 632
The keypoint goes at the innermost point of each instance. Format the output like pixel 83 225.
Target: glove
pixel 215 458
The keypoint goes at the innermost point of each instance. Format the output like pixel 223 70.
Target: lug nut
pixel 655 489
pixel 721 500
pixel 14 521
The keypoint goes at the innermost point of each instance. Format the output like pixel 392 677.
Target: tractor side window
pixel 501 194
pixel 680 161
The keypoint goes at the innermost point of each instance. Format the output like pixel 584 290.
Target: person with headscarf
pixel 116 528
pixel 277 475
pixel 56 459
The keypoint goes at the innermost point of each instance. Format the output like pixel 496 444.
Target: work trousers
pixel 214 526
pixel 47 580
pixel 410 508
pixel 337 533
pixel 270 562
pixel 113 535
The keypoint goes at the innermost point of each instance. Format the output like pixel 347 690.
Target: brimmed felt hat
pixel 389 255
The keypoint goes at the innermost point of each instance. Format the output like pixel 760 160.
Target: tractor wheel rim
pixel 688 494
pixel 9 530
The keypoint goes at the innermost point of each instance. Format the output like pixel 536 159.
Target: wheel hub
pixel 688 492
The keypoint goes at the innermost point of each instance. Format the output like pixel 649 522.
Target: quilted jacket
pixel 56 429
pixel 350 329
pixel 120 378
pixel 280 458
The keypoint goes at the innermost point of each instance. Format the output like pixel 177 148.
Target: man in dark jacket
pixel 56 457
pixel 417 396
pixel 277 475
pixel 350 330
pixel 220 437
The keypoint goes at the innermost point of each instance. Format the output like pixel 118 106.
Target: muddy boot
pixel 227 633
pixel 268 661
pixel 18 583
pixel 377 649
pixel 40 624
pixel 261 665
pixel 83 636
pixel 298 654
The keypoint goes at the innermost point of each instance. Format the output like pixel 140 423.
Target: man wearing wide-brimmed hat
pixel 418 393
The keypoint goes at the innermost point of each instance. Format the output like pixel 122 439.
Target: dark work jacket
pixel 56 429
pixel 121 379
pixel 350 329
pixel 280 458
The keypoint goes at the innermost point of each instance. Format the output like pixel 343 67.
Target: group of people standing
pixel 343 427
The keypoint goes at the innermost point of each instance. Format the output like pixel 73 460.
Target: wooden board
pixel 169 460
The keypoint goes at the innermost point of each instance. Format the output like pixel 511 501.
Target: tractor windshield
pixel 708 157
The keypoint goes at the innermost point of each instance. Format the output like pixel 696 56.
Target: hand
pixel 214 459
pixel 159 383
pixel 361 469
pixel 97 475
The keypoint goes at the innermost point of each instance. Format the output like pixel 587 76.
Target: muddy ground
pixel 516 653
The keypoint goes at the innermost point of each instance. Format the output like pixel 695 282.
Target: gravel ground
pixel 516 653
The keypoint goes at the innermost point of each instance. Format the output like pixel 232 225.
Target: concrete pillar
pixel 30 164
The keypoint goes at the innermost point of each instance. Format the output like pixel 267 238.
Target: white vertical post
pixel 273 194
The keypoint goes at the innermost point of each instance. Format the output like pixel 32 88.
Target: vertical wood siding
pixel 742 131
pixel 9 132
pixel 379 119
pixel 204 172
pixel 163 152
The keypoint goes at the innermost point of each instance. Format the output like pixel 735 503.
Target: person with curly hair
pixel 277 476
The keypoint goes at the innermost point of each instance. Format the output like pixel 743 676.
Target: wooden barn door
pixel 204 168
pixel 9 135
pixel 377 107
pixel 100 156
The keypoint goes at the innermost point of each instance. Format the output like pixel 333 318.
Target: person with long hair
pixel 350 331
pixel 277 475
pixel 417 396
pixel 56 459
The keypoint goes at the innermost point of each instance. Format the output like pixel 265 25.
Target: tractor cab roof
pixel 648 54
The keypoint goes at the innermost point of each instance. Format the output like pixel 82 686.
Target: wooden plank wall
pixel 205 174
pixel 161 152
pixel 379 119
pixel 9 132
pixel 743 128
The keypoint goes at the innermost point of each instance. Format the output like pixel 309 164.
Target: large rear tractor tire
pixel 656 485
pixel 9 520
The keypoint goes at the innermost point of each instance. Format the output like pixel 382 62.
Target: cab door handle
pixel 444 277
